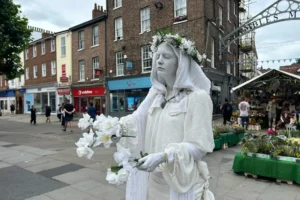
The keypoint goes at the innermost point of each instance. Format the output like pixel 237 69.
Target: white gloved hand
pixel 150 162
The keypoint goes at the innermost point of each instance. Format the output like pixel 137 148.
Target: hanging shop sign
pixel 63 91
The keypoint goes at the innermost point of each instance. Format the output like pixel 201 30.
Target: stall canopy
pixel 271 77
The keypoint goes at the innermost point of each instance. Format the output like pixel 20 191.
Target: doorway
pixel 99 103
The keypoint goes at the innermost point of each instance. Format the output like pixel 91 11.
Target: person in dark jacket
pixel 33 115
pixel 47 113
pixel 226 109
pixel 62 114
pixel 91 110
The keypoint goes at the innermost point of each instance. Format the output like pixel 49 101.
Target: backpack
pixel 229 108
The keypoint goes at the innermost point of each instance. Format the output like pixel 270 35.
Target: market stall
pixel 274 84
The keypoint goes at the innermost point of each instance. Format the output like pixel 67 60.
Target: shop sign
pixel 63 91
pixel 81 92
pixel 64 79
pixel 133 83
pixel 129 65
pixel 98 72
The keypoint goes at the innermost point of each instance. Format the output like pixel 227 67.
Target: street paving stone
pixel 4 143
pixel 60 170
pixel 68 193
pixel 4 164
pixel 19 184
pixel 10 145
pixel 45 166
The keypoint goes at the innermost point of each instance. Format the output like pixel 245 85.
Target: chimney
pixel 98 11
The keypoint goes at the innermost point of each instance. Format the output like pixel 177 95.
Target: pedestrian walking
pixel 47 113
pixel 62 114
pixel 58 112
pixel 91 110
pixel 226 109
pixel 69 111
pixel 244 108
pixel 33 115
pixel 12 108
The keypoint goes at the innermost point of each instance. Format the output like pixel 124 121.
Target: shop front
pixel 125 95
pixel 63 94
pixel 7 98
pixel 84 96
pixel 39 97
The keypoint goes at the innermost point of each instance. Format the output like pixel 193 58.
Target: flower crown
pixel 175 40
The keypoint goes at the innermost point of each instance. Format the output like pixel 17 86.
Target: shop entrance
pixel 99 104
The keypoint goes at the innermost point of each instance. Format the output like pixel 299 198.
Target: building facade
pixel 40 74
pixel 64 66
pixel 130 27
pixel 88 62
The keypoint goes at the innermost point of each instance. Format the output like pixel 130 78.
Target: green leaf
pixel 115 169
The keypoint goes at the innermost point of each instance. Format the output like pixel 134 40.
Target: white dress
pixel 183 130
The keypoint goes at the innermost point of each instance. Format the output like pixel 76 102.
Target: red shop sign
pixel 63 91
pixel 85 92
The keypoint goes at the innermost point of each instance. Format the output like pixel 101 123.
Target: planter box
pixel 259 155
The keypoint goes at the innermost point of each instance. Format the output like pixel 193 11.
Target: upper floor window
pixel 34 50
pixel 43 47
pixel 234 7
pixel 35 75
pixel 80 40
pixel 26 54
pixel 27 73
pixel 118 29
pixel 118 3
pixel 180 8
pixel 212 52
pixel 146 59
pixel 228 8
pixel 95 61
pixel 220 15
pixel 145 19
pixel 53 67
pixel 119 64
pixel 44 69
pixel 52 45
pixel 81 70
pixel 63 46
pixel 95 35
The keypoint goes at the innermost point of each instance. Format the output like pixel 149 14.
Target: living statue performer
pixel 173 125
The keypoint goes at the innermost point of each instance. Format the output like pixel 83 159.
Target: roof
pixel 290 68
pixel 87 23
pixel 269 75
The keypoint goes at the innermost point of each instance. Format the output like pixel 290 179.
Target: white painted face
pixel 166 62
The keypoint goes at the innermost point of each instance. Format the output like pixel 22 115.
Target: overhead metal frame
pixel 279 7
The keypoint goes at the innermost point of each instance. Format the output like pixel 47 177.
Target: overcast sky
pixel 273 42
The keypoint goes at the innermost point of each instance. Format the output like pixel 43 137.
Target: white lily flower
pixel 111 124
pixel 84 144
pixel 122 176
pixel 99 121
pixel 85 151
pixel 122 155
pixel 111 177
pixel 104 138
pixel 85 122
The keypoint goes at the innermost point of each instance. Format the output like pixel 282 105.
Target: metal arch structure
pixel 281 10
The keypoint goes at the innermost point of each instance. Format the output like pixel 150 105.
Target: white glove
pixel 150 162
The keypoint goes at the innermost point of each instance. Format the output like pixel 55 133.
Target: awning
pixel 269 74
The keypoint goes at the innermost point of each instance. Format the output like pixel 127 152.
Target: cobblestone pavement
pixel 40 163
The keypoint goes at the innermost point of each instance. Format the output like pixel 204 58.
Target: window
pixel 234 65
pixel 118 3
pixel 220 15
pixel 81 70
pixel 95 66
pixel 12 83
pixel 35 71
pixel 52 45
pixel 146 59
pixel 228 68
pixel 228 47
pixel 145 19
pixel 234 27
pixel 118 29
pixel 26 54
pixel 212 52
pixel 53 67
pixel 27 73
pixel 19 79
pixel 34 50
pixel 1 80
pixel 234 7
pixel 220 55
pixel 180 8
pixel 228 8
pixel 44 69
pixel 80 40
pixel 119 64
pixel 95 35
pixel 63 46
pixel 43 47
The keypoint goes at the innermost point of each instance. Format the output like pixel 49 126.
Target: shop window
pixel 114 102
pixel 52 101
pixel 146 59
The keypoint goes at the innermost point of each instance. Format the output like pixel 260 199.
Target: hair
pixel 243 98
pixel 226 100
pixel 91 104
pixel 68 101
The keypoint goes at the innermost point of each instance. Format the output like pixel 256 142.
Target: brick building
pixel 130 27
pixel 40 74
pixel 293 68
pixel 88 62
